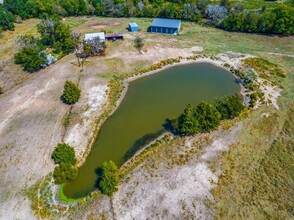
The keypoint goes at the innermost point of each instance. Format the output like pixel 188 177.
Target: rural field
pixel 243 170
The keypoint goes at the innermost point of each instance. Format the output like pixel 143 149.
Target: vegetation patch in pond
pixel 149 101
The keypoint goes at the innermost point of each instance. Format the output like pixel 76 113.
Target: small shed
pixel 133 27
pixel 89 37
pixel 165 26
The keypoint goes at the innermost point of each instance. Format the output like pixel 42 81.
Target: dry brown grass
pixel 11 74
pixel 258 174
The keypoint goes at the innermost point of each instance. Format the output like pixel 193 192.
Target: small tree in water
pixel 138 43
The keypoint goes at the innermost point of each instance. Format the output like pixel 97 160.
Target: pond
pixel 141 114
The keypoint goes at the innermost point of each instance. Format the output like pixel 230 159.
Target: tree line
pixel 205 116
pixel 227 14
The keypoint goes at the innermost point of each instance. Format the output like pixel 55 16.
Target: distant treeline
pixel 227 15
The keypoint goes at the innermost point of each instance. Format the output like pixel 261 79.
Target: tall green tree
pixel 16 7
pixel 6 19
pixel 284 23
pixel 64 153
pixel 229 106
pixel 71 93
pixel 57 35
pixel 187 123
pixel 109 179
pixel 208 116
pixel 65 172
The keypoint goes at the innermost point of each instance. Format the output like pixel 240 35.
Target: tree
pixel 138 43
pixel 202 4
pixel 16 7
pixel 6 19
pixel 109 178
pixel 230 106
pixel 284 23
pixel 187 123
pixel 224 3
pixel 71 93
pixel 65 172
pixel 64 153
pixel 57 35
pixel 82 52
pixel 208 116
pixel 190 12
pixel 216 12
pixel 30 58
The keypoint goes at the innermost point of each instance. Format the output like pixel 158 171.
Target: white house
pixel 91 36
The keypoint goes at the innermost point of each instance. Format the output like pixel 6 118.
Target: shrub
pixel 64 153
pixel 1 90
pixel 109 178
pixel 230 106
pixel 31 59
pixel 64 173
pixel 138 43
pixel 71 93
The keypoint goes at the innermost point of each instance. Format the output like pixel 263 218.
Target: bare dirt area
pixel 178 187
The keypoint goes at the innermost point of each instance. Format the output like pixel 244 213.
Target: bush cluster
pixel 71 93
pixel 31 59
pixel 64 155
pixel 206 117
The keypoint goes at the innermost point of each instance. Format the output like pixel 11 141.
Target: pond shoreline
pixel 126 82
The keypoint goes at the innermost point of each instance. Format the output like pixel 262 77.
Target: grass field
pixel 213 40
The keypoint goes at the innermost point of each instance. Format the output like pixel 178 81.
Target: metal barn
pixel 133 27
pixel 165 26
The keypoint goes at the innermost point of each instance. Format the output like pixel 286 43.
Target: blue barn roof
pixel 162 22
pixel 133 24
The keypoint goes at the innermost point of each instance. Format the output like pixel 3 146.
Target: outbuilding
pixel 165 26
pixel 133 27
pixel 89 37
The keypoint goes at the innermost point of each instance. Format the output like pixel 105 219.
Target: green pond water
pixel 148 102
